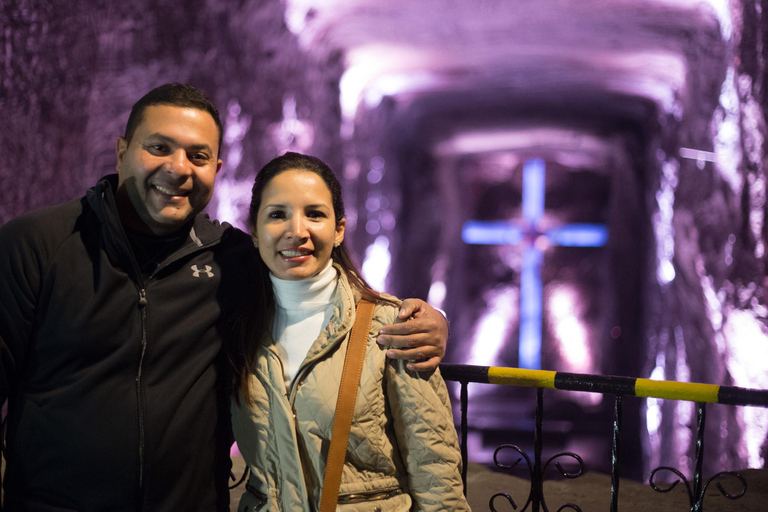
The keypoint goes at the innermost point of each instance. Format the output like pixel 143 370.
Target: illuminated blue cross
pixel 529 233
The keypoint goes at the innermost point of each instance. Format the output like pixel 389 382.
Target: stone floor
pixel 592 493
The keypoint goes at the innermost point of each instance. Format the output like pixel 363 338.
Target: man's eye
pixel 158 148
pixel 199 157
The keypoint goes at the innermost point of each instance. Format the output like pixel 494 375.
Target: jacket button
pixel 377 509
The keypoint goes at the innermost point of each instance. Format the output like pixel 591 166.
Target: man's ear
pixel 121 146
pixel 218 165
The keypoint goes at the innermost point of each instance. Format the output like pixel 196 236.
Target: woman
pixel 403 450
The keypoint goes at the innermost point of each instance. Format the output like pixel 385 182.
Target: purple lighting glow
pixel 473 123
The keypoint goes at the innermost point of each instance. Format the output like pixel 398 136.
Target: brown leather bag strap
pixel 345 405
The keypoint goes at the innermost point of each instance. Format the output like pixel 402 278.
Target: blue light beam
pixel 579 235
pixel 529 349
pixel 534 177
pixel 491 233
pixel 511 233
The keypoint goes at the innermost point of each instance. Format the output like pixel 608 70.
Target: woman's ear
pixel 339 237
pixel 254 236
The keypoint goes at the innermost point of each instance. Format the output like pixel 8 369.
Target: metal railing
pixel 620 387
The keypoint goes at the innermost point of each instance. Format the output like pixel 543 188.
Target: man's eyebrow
pixel 171 140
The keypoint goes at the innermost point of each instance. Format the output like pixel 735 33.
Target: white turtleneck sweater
pixel 303 310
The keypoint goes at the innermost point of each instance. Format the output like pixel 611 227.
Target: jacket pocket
pixel 252 501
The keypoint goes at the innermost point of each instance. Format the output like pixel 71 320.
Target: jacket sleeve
pixel 426 437
pixel 19 282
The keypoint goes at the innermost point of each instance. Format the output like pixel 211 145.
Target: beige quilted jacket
pixel 402 435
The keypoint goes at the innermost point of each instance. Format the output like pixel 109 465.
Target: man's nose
pixel 179 164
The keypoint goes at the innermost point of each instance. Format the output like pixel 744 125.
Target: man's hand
pixel 421 339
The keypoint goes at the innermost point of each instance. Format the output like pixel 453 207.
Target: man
pixel 113 313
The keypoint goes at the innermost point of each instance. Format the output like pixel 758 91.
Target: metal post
pixel 537 483
pixel 616 454
pixel 698 495
pixel 464 451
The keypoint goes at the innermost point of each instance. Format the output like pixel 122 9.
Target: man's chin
pixel 167 224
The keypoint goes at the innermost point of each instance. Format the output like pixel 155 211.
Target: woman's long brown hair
pixel 258 308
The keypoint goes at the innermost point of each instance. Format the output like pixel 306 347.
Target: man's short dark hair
pixel 175 95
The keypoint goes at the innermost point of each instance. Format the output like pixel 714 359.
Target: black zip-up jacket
pixel 114 384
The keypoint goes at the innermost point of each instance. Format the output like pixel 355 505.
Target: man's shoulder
pixel 237 237
pixel 51 222
pixel 231 236
pixel 237 247
pixel 36 236
pixel 234 247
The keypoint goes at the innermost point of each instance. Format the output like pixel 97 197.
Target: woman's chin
pixel 295 274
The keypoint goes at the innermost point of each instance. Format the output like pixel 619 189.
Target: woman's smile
pixel 295 255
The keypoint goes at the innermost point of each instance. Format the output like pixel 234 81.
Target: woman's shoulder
pixel 387 300
pixel 386 309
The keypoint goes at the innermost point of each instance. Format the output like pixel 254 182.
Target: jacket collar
pixel 101 198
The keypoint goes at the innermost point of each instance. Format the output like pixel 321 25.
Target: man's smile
pixel 170 192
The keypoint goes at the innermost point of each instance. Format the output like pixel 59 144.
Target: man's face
pixel 167 171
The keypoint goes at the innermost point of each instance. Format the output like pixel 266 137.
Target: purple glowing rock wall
pixel 70 76
pixel 677 293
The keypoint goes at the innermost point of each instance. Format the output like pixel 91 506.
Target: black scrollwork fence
pixel 620 387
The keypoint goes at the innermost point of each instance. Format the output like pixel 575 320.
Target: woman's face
pixel 296 226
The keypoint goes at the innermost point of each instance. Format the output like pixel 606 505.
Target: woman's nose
pixel 297 227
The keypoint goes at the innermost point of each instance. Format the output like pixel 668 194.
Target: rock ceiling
pixel 498 67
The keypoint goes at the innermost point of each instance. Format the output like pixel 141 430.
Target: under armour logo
pixel 196 271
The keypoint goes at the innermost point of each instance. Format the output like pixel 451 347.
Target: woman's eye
pixel 316 214
pixel 276 215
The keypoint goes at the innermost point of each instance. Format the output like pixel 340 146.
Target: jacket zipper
pixel 139 391
pixel 290 397
pixel 144 341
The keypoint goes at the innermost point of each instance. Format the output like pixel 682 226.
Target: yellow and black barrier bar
pixel 626 386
